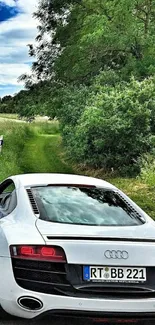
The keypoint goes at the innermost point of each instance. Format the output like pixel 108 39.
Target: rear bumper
pixel 98 315
pixel 125 309
pixel 100 318
pixel 62 305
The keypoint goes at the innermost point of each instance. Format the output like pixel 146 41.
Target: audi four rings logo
pixel 116 254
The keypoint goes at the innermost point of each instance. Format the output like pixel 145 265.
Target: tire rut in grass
pixel 42 155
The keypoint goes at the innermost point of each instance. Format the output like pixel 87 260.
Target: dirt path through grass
pixel 42 154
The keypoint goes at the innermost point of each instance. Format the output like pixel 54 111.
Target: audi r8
pixel 74 245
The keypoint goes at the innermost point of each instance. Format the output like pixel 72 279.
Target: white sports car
pixel 77 245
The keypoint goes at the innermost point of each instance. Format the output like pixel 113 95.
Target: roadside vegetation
pixel 15 136
pixel 37 147
pixel 94 72
pixel 9 116
pixel 140 192
pixel 31 148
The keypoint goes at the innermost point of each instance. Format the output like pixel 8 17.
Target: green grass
pixel 138 191
pixel 15 136
pixel 27 150
pixel 42 155
pixel 46 127
pixel 9 116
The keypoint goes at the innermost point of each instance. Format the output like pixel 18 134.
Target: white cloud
pixel 26 5
pixel 10 72
pixel 15 35
pixel 9 2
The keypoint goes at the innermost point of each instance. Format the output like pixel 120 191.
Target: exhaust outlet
pixel 30 303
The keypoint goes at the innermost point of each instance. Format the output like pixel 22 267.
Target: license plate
pixel 114 274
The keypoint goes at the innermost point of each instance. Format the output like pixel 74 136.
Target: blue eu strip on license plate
pixel 86 273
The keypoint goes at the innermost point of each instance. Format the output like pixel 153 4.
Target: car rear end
pixel 62 285
pixel 91 265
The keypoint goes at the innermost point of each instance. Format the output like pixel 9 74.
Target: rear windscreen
pixel 84 206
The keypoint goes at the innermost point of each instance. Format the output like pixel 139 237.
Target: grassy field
pixel 15 136
pixel 31 148
pixel 37 147
pixel 9 116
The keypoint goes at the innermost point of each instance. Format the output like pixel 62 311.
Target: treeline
pixel 29 102
pixel 94 70
pixel 7 104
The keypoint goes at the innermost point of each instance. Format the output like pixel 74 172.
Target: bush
pixel 114 129
pixel 73 103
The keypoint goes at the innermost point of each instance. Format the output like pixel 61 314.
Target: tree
pixel 92 61
pixel 7 104
pixel 77 39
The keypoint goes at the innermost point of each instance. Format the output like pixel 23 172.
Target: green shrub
pixel 114 129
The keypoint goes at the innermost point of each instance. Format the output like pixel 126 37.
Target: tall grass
pixel 15 137
pixel 46 127
pixel 148 170
pixel 9 116
pixel 23 142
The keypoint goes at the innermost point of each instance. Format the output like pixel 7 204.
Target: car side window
pixel 8 198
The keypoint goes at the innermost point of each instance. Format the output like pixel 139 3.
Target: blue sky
pixel 17 29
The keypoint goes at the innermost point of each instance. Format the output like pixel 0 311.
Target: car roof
pixel 28 180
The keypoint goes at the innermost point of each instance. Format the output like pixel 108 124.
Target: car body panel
pixel 27 180
pixel 86 252
pixel 19 226
pixel 146 231
pixel 83 245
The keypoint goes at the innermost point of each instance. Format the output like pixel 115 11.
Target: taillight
pixel 43 253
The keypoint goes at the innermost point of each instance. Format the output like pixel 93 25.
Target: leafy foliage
pixel 114 128
pixel 94 70
pixel 86 36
